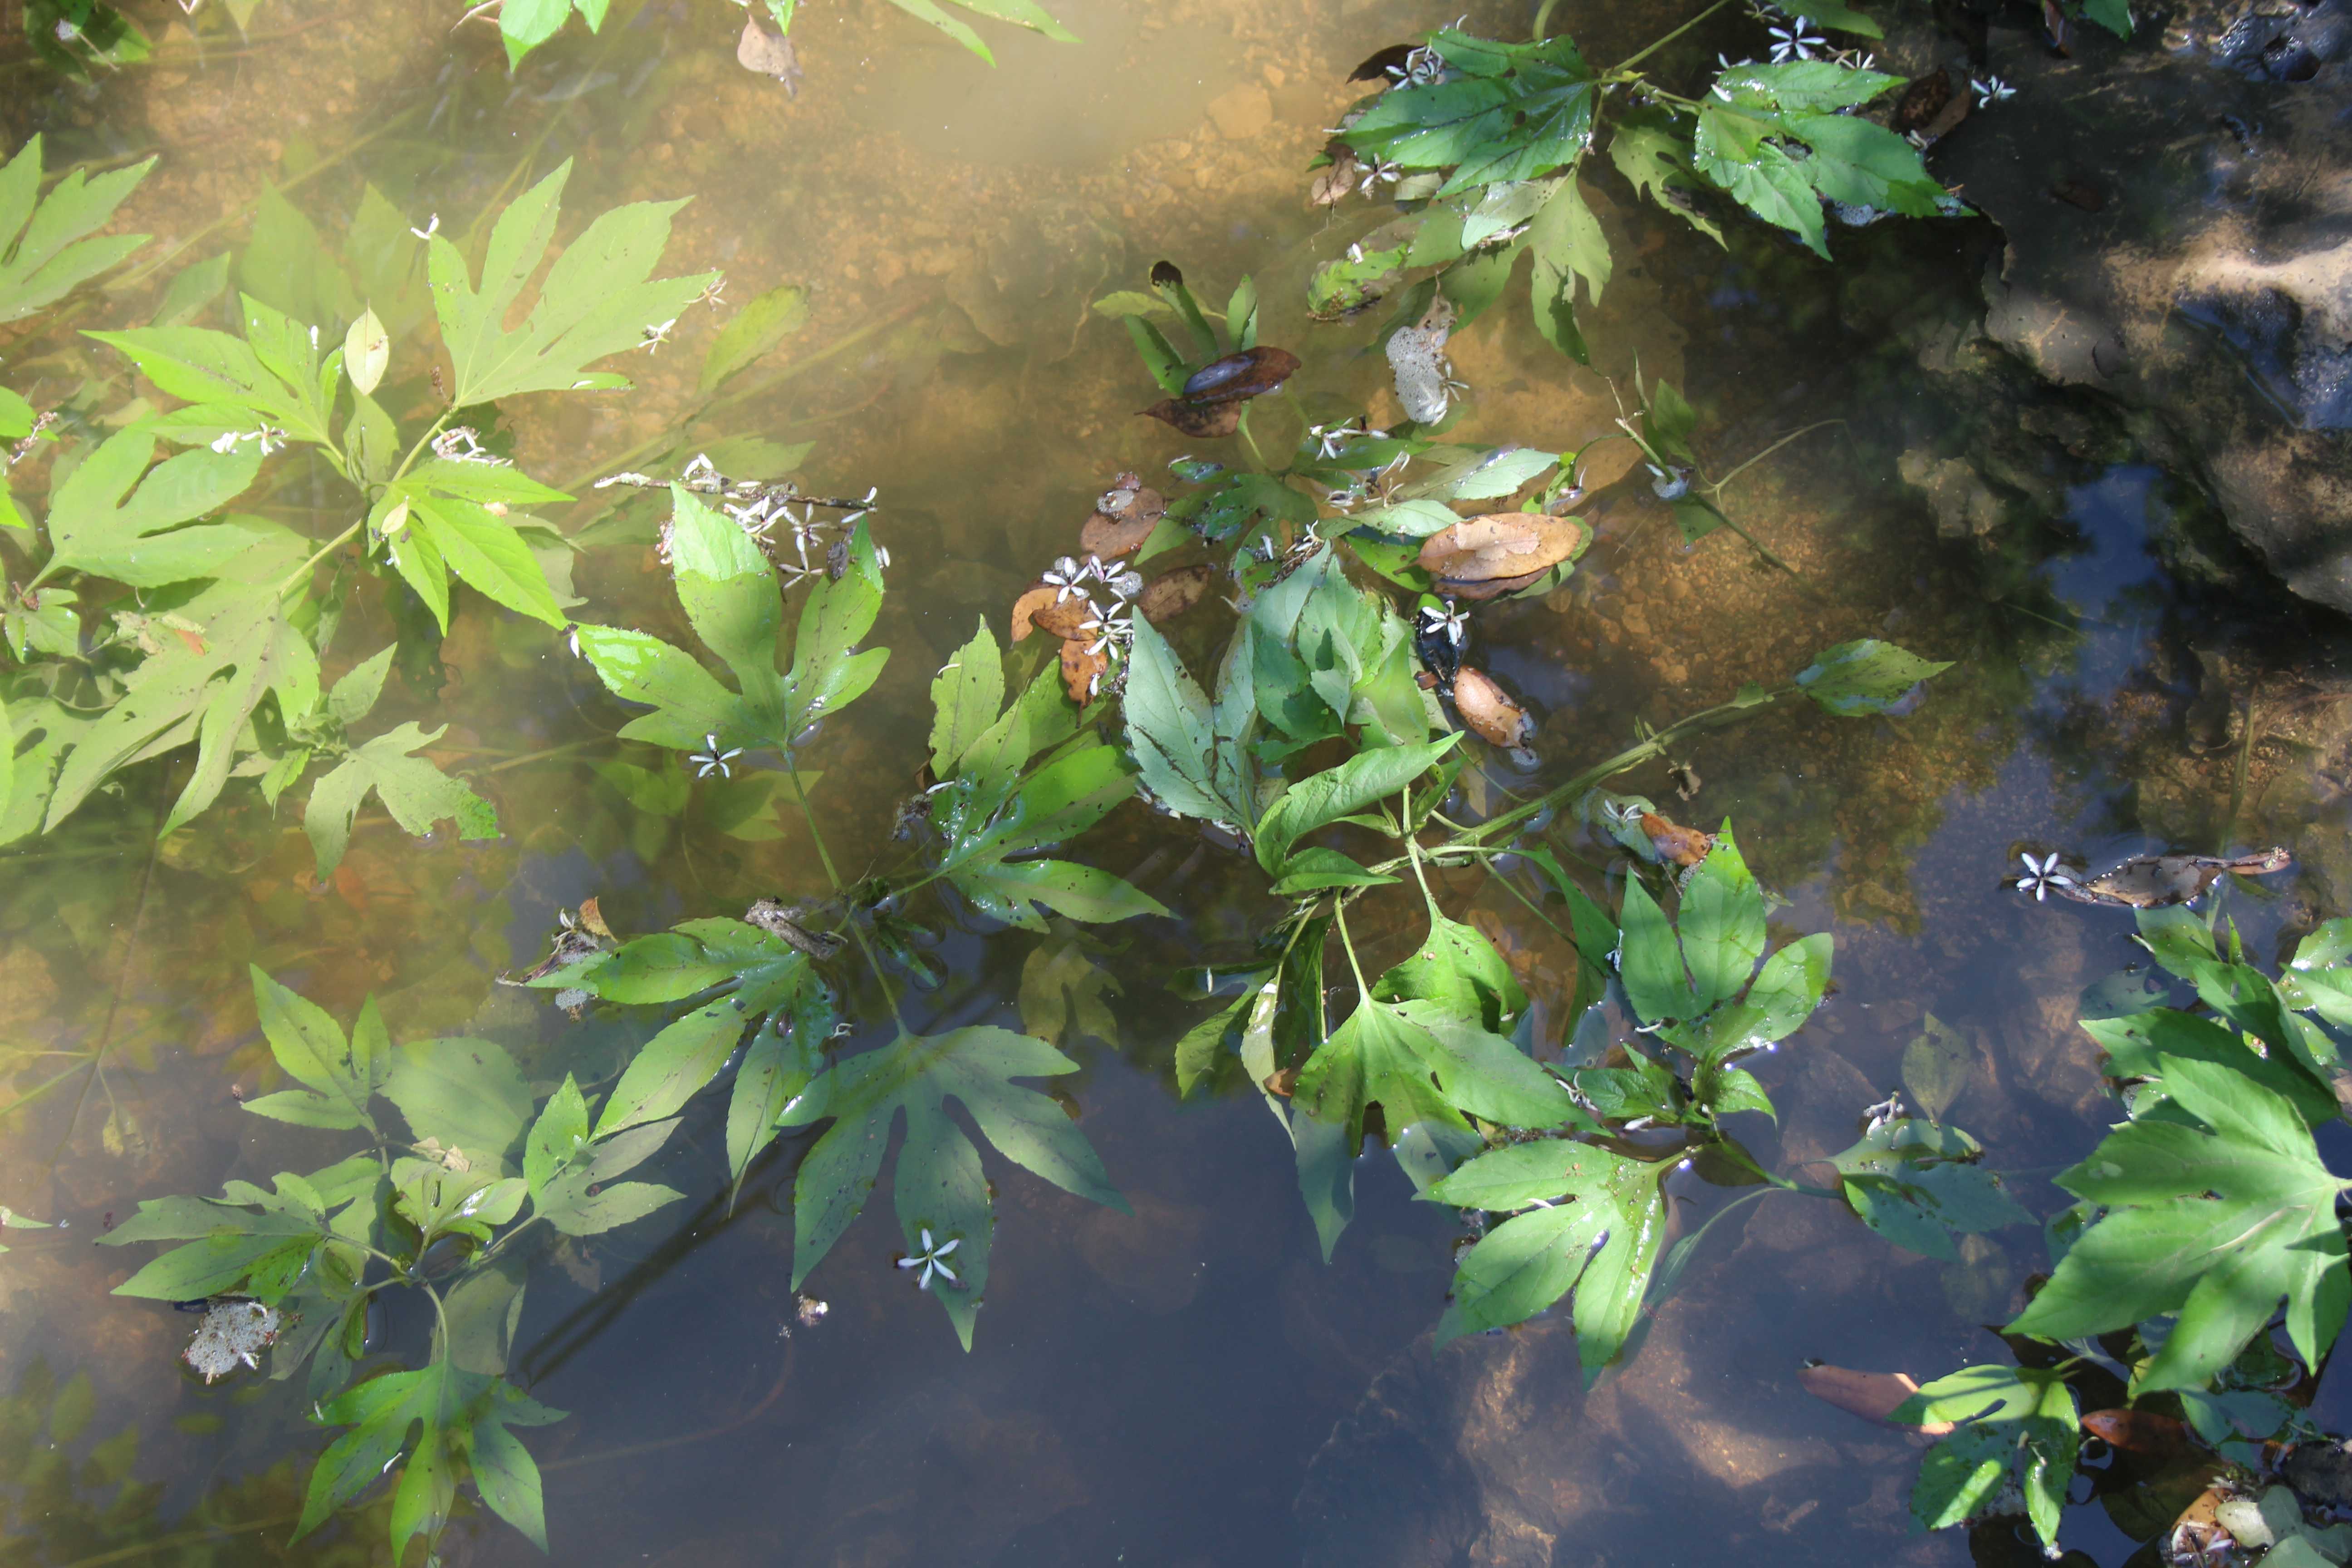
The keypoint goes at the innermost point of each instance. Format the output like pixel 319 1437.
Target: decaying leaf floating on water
pixel 236 1329
pixel 1418 364
pixel 2149 881
pixel 770 54
pixel 1211 403
pixel 1489 713
pixel 780 922
pixel 1171 593
pixel 1480 557
pixel 1123 518
pixel 2147 1432
pixel 1873 1396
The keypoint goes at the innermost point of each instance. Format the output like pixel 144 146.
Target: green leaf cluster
pixel 2016 1428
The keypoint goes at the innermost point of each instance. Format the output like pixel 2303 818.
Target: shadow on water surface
pixel 1190 1386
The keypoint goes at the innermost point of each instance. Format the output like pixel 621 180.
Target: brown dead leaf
pixel 1025 608
pixel 2153 881
pixel 1110 534
pixel 1171 593
pixel 770 54
pixel 1504 546
pixel 592 921
pixel 1484 706
pixel 1202 420
pixel 1284 1082
pixel 1074 617
pixel 1873 1396
pixel 2142 1431
pixel 1082 672
pixel 1676 844
pixel 1923 99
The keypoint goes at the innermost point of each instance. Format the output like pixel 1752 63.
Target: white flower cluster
pixel 759 507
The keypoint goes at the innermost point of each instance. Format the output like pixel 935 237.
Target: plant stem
pixel 824 858
pixel 1339 915
pixel 1640 55
pixel 302 573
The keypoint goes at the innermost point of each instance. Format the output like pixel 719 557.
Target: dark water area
pixel 1192 1385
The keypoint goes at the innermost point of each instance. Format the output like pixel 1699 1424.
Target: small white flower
pixel 1794 42
pixel 571 641
pixel 1065 577
pixel 1885 1110
pixel 711 759
pixel 932 1260
pixel 432 227
pixel 2041 876
pixel 1453 623
pixel 225 442
pixel 656 336
pixel 1123 585
pixel 1992 90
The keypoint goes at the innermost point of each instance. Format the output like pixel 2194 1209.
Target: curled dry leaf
pixel 1873 1396
pixel 1487 711
pixel 1025 608
pixel 1283 1082
pixel 1082 672
pixel 1676 845
pixel 1171 593
pixel 1331 185
pixel 1480 557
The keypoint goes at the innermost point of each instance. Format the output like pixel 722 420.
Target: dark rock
pixel 2179 242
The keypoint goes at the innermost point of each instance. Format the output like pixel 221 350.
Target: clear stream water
pixel 1192 1387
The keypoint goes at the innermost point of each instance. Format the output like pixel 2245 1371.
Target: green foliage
pixel 937 1187
pixel 2218 1207
pixel 1012 783
pixel 1917 1184
pixel 48 247
pixel 729 591
pixel 1864 677
pixel 2017 1427
pixel 525 24
pixel 455 1189
pixel 224 651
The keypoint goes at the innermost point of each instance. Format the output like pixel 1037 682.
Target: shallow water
pixel 1192 1385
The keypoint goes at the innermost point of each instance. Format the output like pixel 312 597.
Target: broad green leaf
pixel 483 551
pixel 766 320
pixel 1917 1184
pixel 2017 1427
pixel 1864 677
pixel 339 1077
pixel 1363 780
pixel 460 1422
pixel 1518 1175
pixel 674 1066
pixel 785 1055
pixel 558 1134
pixel 1526 1264
pixel 1456 966
pixel 249 1240
pixel 1173 734
pixel 525 24
pixel 1650 961
pixel 46 251
pixel 2139 1044
pixel 466 1094
pixel 1835 14
pixel 1721 924
pixel 1822 85
pixel 1650 150
pixel 1318 870
pixel 1734 149
pixel 1425 1061
pixel 367 351
pixel 598 298
pixel 583 1198
pixel 207 691
pixel 98 524
pixel 937 1185
pixel 965 697
pixel 415 792
pixel 1515 111
pixel 1205 1045
pixel 2217 1214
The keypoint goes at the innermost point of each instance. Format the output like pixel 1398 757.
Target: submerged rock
pixel 2178 214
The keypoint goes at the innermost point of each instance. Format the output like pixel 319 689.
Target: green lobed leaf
pixel 1917 1184
pixel 416 793
pixel 45 249
pixel 764 321
pixel 1363 780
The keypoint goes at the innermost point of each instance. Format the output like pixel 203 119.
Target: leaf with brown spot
pixel 1171 593
pixel 1501 545
pixel 1074 618
pixel 1484 707
pixel 1873 1396
pixel 1081 670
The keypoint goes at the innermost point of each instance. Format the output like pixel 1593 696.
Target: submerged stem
pixel 1640 55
